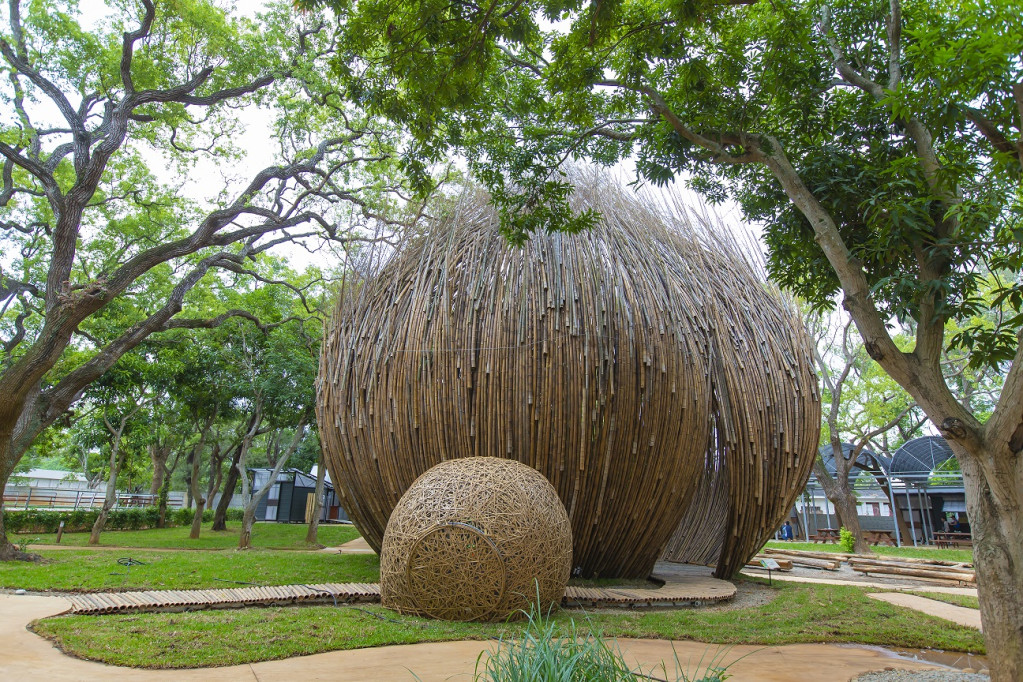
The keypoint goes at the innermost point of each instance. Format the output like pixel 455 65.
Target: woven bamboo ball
pixel 476 539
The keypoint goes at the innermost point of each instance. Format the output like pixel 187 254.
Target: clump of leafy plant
pixel 846 539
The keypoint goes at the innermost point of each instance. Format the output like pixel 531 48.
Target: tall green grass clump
pixel 547 653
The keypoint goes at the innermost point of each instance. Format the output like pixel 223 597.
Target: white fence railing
pixel 31 497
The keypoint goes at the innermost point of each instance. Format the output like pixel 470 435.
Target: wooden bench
pixel 826 535
pixel 875 537
pixel 944 540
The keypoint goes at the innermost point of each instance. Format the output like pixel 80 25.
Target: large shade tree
pixel 878 141
pixel 122 183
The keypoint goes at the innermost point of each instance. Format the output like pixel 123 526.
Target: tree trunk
pixel 200 501
pixel 165 489
pixel 116 461
pixel 230 484
pixel 194 460
pixel 158 455
pixel 8 550
pixel 314 522
pixel 215 478
pixel 842 496
pixel 161 521
pixel 845 506
pixel 994 505
pixel 200 507
pixel 249 517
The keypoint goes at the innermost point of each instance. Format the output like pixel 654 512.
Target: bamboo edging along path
pixel 690 591
pixel 644 367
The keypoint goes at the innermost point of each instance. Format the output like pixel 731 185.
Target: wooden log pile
pixel 783 564
pixel 643 367
pixel 807 554
pixel 928 572
pixel 925 570
pixel 809 562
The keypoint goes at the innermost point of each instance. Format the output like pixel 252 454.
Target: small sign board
pixel 770 564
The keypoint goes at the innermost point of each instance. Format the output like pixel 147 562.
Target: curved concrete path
pixel 957 614
pixel 28 656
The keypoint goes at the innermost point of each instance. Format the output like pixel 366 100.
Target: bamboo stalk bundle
pixel 643 367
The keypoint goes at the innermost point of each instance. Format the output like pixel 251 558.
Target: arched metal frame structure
pixel 644 367
pixel 908 475
pixel 920 455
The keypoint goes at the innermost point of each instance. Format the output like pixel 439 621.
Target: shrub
pixel 79 520
pixel 121 518
pixel 181 517
pixel 846 539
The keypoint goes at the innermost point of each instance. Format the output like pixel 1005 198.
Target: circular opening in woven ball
pixel 455 572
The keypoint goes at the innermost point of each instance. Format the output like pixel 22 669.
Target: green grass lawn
pixel 965 600
pixel 798 613
pixel 87 570
pixel 267 535
pixel 964 555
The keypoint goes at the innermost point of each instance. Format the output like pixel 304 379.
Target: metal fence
pixel 31 497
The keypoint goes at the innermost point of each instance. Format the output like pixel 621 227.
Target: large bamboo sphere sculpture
pixel 480 538
pixel 643 367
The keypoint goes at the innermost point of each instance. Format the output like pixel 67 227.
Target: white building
pixel 51 478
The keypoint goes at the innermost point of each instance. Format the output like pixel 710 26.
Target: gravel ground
pixel 748 595
pixel 922 676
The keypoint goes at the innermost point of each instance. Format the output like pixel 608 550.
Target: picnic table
pixel 945 540
pixel 826 535
pixel 875 537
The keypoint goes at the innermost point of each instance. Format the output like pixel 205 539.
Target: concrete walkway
pixel 918 587
pixel 356 546
pixel 957 614
pixel 27 656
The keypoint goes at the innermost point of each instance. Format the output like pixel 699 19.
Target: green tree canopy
pixel 878 142
pixel 123 185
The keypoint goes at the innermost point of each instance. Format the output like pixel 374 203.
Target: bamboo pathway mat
pixel 685 591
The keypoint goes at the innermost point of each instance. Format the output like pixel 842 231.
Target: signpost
pixel 770 565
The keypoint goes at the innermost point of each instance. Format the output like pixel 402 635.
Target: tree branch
pixel 894 44
pixel 990 131
pixel 212 322
pixel 128 45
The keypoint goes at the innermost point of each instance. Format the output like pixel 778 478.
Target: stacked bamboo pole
pixel 632 365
